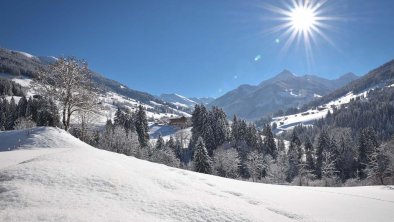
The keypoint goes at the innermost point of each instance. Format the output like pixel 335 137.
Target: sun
pixel 303 18
pixel 301 23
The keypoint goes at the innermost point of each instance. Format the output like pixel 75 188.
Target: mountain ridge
pixel 283 90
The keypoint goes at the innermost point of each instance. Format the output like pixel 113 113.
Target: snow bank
pixel 82 183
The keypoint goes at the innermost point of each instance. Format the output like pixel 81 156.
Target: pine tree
pixel 294 155
pixel 12 115
pixel 22 106
pixel 310 163
pixel 160 144
pixel 269 142
pixel 366 146
pixel 202 163
pixel 323 144
pixel 293 164
pixel 171 144
pixel 119 118
pixel 141 125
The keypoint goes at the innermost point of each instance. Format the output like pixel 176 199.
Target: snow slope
pixel 82 183
pixel 308 117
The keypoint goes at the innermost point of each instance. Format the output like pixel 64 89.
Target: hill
pixel 22 67
pixel 76 182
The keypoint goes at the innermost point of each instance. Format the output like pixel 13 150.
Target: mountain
pixel 22 67
pixel 50 175
pixel 203 100
pixel 280 92
pixel 184 102
pixel 178 100
pixel 372 91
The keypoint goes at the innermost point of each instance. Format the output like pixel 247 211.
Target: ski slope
pixel 52 176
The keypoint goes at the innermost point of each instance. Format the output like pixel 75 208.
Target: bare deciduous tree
pixel 67 81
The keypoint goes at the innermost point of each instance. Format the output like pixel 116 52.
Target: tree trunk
pixel 64 118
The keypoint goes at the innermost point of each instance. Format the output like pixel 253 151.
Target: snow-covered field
pixel 52 176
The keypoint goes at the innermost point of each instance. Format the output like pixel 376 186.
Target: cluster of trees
pixel 27 113
pixel 328 156
pixel 17 64
pixel 10 88
pixel 128 134
pixel 376 111
pixel 333 156
pixel 238 150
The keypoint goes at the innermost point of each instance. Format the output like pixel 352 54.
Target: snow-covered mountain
pixel 380 77
pixel 50 175
pixel 22 67
pixel 203 100
pixel 280 92
pixel 178 100
pixel 182 101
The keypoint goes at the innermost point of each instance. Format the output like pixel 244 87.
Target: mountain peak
pixel 348 76
pixel 285 74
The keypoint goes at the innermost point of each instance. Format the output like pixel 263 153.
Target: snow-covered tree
pixel 160 144
pixel 367 144
pixel 323 144
pixel 202 162
pixel 309 161
pixel 380 164
pixel 255 165
pixel 226 162
pixel 24 123
pixel 68 81
pixel 328 170
pixel 165 156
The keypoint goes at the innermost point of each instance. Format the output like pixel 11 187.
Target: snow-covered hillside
pixel 178 100
pixel 308 117
pixel 109 102
pixel 76 182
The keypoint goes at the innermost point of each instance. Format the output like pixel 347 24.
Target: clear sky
pixel 197 47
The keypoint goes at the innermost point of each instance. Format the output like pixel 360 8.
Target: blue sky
pixel 196 47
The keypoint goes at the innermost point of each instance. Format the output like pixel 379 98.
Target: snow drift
pixel 76 182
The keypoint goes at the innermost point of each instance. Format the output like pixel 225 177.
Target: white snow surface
pixel 76 182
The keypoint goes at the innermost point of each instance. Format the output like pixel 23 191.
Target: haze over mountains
pixel 280 92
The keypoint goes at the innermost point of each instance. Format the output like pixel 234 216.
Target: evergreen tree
pixel 323 144
pixel 141 125
pixel 120 118
pixel 171 144
pixel 310 163
pixel 269 142
pixel 202 163
pixel 366 145
pixel 22 106
pixel 281 145
pixel 293 164
pixel 12 115
pixel 160 144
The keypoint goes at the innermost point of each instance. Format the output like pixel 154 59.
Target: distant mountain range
pixel 182 101
pixel 280 92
